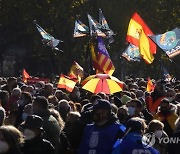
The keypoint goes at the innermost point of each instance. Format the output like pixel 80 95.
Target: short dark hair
pixel 138 103
pixel 41 101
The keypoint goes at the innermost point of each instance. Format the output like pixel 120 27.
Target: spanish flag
pixel 150 85
pixel 76 72
pixel 25 76
pixel 66 83
pixel 137 34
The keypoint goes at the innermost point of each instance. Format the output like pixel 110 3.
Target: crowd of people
pixel 40 118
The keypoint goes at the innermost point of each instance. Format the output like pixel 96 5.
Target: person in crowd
pixel 173 148
pixel 11 84
pixel 64 108
pixel 52 99
pixel 74 129
pixel 135 108
pixel 25 98
pixel 47 90
pixel 4 97
pixel 117 101
pixel 78 107
pixel 27 111
pixel 170 95
pixel 2 115
pixel 122 114
pixel 11 140
pixel 167 116
pixel 100 137
pixel 156 127
pixel 34 142
pixel 12 104
pixel 75 95
pixel 132 141
pixel 50 124
pixel 153 101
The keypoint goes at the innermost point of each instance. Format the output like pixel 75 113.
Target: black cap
pixel 33 121
pixel 102 104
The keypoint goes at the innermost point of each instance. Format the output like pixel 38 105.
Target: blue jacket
pixel 100 140
pixel 132 144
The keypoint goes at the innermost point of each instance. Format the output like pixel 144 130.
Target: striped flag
pixel 103 58
pixel 137 34
pixel 66 83
pixel 102 61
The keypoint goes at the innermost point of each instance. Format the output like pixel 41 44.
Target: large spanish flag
pixel 137 34
pixel 66 83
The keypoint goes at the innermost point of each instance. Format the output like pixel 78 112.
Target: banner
pixel 169 42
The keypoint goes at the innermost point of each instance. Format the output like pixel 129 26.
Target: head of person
pixel 165 107
pixel 117 101
pixel 27 111
pixel 170 94
pixel 75 93
pixel 16 92
pixel 122 113
pixel 63 108
pixel 32 127
pixel 4 97
pixel 58 117
pixel 25 99
pixel 52 99
pixel 48 89
pixel 101 111
pixel 11 139
pixel 134 107
pixel 136 125
pixel 159 89
pixel 12 82
pixel 40 105
pixel 156 127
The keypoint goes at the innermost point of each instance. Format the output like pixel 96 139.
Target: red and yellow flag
pixel 76 72
pixel 137 34
pixel 150 85
pixel 66 83
pixel 25 76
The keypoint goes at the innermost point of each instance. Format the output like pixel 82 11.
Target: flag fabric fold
pixel 80 29
pixel 66 83
pixel 76 72
pixel 132 53
pixel 150 85
pixel 95 27
pixel 137 34
pixel 102 61
pixel 47 39
pixel 25 76
pixel 109 33
pixel 169 42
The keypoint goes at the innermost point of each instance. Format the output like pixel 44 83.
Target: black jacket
pixel 38 146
